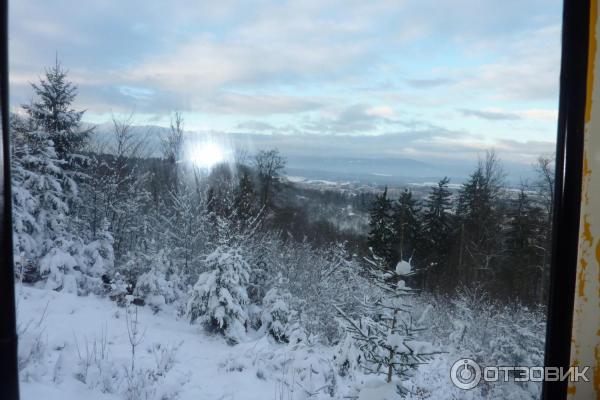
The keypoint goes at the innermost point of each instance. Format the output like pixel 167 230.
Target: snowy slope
pixel 196 374
pixel 74 347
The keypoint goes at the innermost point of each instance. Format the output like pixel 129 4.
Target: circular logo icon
pixel 465 374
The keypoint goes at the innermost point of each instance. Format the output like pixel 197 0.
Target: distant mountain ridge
pixel 330 158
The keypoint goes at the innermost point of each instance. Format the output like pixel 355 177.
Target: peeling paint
pixel 596 372
pixel 581 279
pixel 587 233
pixel 585 349
pixel 587 173
pixel 571 389
pixel 586 167
pixel 598 263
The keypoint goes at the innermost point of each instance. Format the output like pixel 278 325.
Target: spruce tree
pixel 381 231
pixel 41 196
pixel 219 298
pixel 49 244
pixel 480 220
pixel 436 231
pixel 277 317
pixel 386 334
pixel 244 202
pixel 523 266
pixel 406 224
pixel 181 228
pixel 51 111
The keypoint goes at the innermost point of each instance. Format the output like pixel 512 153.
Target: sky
pixel 422 79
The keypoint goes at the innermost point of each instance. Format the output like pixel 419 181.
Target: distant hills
pixel 333 158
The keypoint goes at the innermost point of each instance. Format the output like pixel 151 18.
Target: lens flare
pixel 207 154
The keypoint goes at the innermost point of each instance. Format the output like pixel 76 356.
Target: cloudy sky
pixel 435 79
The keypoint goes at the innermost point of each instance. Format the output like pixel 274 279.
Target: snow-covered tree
pixel 348 357
pixel 244 203
pixel 172 147
pixel 318 279
pixel 49 247
pixel 152 286
pixel 51 242
pixel 41 196
pixel 97 257
pixel 386 335
pixel 277 316
pixel 116 191
pixel 51 112
pixel 219 298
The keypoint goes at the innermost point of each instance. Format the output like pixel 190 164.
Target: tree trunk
pixel 392 352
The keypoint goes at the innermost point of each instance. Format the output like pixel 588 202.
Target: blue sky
pixel 444 79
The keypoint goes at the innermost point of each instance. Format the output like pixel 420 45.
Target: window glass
pixel 282 200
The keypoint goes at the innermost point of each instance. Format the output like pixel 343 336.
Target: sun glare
pixel 207 154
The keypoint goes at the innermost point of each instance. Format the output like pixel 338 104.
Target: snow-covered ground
pixel 74 347
pixel 63 322
pixel 79 348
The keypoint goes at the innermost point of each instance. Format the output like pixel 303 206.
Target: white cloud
pixel 256 104
pixel 380 111
pixel 527 69
pixel 541 114
pixel 490 114
pixel 319 66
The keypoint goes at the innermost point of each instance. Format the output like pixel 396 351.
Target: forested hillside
pixel 328 294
